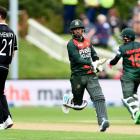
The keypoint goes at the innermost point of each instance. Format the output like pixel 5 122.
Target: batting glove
pixel 97 65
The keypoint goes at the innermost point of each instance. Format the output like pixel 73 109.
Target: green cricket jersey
pixel 130 53
pixel 81 54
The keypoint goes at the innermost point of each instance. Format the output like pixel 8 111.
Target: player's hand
pixel 100 68
pixel 94 64
pixel 98 64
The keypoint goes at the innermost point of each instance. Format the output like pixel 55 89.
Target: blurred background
pixel 40 72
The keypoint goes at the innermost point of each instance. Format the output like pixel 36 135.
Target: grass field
pixel 36 64
pixel 41 123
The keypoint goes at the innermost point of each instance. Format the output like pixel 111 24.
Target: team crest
pixel 78 86
pixel 77 23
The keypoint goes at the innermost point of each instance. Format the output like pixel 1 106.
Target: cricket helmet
pixel 76 24
pixel 129 33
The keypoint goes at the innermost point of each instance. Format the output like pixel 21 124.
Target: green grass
pixel 36 64
pixel 43 114
pixel 117 115
pixel 56 135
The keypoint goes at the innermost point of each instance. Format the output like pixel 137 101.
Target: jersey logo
pixel 83 47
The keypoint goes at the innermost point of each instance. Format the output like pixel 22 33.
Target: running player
pixel 84 65
pixel 130 80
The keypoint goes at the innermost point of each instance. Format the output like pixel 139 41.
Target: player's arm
pixel 93 54
pixel 15 45
pixel 115 60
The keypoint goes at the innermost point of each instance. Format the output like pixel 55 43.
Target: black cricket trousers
pixel 4 110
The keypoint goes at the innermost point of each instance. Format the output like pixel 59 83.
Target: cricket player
pixel 84 64
pixel 129 51
pixel 8 45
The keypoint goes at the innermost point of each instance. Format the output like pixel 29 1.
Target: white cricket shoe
pixel 8 123
pixel 104 125
pixel 2 126
pixel 66 101
pixel 80 107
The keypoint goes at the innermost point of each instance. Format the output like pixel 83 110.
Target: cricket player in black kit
pixel 8 45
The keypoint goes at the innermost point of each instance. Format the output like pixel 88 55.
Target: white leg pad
pixel 133 107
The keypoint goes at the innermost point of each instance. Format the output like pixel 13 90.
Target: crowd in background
pixel 135 21
pixel 101 20
pixel 102 23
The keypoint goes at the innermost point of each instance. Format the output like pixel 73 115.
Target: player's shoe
pixel 137 118
pixel 80 107
pixel 104 125
pixel 2 126
pixel 70 104
pixel 8 123
pixel 66 101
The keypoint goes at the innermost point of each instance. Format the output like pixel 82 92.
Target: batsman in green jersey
pixel 129 51
pixel 84 65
